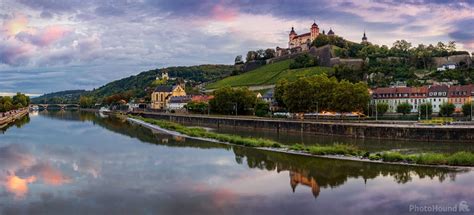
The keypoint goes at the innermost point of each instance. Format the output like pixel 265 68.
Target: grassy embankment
pixel 267 75
pixel 456 159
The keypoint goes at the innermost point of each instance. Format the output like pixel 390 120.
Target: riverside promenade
pixel 371 130
pixel 11 116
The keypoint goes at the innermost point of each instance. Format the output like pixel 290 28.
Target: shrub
pixel 302 61
pixel 461 159
pixel 404 108
pixel 446 109
pixel 382 108
pixel 431 159
pixel 392 157
pixel 466 109
pixel 375 156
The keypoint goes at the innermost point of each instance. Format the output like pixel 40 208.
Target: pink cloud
pixel 14 26
pixel 223 13
pixel 44 37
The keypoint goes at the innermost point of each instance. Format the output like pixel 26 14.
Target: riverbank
pixel 12 116
pixel 337 151
pixel 362 130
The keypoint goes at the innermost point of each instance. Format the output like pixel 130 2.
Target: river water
pixel 80 163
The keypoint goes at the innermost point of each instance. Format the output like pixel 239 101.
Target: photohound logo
pixel 464 207
pixel 461 207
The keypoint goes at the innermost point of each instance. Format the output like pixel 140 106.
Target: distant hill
pixel 137 84
pixel 62 97
pixel 267 75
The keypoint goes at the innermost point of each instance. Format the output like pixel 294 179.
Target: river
pixel 80 163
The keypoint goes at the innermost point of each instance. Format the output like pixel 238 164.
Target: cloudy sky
pixel 51 45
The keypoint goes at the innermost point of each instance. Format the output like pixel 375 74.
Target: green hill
pixel 62 97
pixel 137 84
pixel 267 75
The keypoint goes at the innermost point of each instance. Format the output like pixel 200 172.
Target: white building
pixel 445 67
pixel 437 95
pixel 178 102
pixel 394 96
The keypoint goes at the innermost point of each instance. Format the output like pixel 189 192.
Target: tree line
pixel 18 101
pixel 238 101
pixel 321 93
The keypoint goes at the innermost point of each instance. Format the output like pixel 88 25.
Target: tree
pixel 321 40
pixel 404 108
pixel 260 54
pixel 302 61
pixel 197 107
pixel 451 47
pixel 86 102
pixel 299 95
pixel 446 109
pixel 343 72
pixel 262 108
pixel 426 109
pixel 238 60
pixel 467 108
pixel 251 56
pixel 21 99
pixel 280 89
pixel 233 101
pixel 320 93
pixel 7 105
pixel 382 108
pixel 270 53
pixel 401 48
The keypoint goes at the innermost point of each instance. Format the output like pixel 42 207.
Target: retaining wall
pixel 353 130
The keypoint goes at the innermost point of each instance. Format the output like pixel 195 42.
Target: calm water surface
pixel 78 163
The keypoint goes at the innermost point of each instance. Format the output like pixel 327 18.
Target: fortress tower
pixel 314 31
pixel 303 41
pixel 292 37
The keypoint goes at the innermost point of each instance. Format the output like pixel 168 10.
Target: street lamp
pixel 471 110
pixel 376 113
pixel 426 106
pixel 317 110
pixel 235 108
pixel 419 112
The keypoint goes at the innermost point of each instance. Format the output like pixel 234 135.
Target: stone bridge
pixel 58 106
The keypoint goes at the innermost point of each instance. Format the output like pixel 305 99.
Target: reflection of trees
pixel 332 172
pixel 308 171
pixel 123 127
pixel 18 123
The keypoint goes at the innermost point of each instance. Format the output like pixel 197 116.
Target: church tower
pixel 314 31
pixel 364 38
pixel 291 37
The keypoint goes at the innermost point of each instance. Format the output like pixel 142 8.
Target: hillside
pixel 62 97
pixel 268 74
pixel 136 84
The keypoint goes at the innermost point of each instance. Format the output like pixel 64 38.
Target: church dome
pixel 292 31
pixel 330 32
pixel 314 25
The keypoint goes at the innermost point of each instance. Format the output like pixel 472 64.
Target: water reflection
pixel 310 172
pixel 20 168
pixel 65 162
pixel 18 124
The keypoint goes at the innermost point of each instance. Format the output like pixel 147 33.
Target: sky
pixel 53 45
